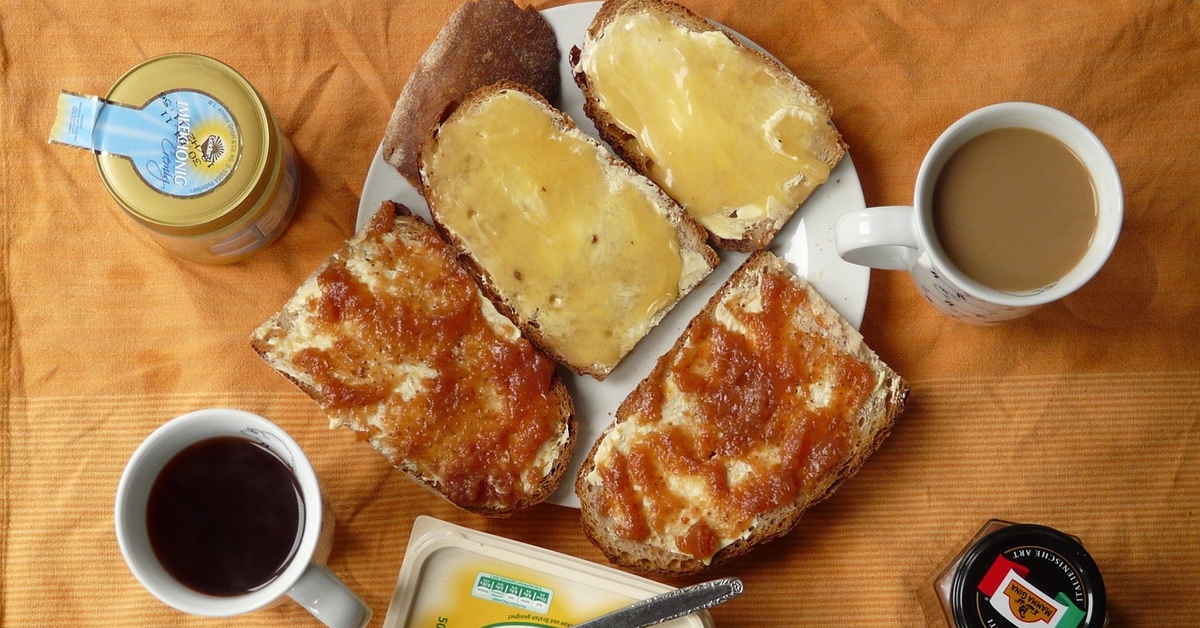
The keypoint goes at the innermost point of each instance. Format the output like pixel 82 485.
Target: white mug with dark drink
pixel 219 513
pixel 1016 205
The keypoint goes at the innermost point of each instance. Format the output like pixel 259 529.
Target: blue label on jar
pixel 183 143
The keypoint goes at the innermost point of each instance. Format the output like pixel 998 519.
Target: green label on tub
pixel 182 143
pixel 515 593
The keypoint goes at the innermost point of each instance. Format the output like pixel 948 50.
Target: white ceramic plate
pixel 806 242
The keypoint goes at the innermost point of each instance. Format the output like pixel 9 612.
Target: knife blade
pixel 669 605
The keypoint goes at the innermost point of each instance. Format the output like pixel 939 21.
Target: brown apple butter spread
pixel 410 354
pixel 748 412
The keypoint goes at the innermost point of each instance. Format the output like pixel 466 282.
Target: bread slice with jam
pixel 393 339
pixel 765 404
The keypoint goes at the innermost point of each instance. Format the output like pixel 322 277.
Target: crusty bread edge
pixel 883 408
pixel 692 236
pixel 626 145
pixel 444 73
pixel 388 214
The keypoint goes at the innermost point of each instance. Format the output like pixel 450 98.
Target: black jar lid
pixel 1028 575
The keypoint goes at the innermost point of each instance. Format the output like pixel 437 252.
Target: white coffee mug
pixel 305 579
pixel 903 237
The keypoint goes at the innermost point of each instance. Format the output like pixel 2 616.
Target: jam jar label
pixel 1022 603
pixel 183 143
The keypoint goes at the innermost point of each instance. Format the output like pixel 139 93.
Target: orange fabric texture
pixel 1084 416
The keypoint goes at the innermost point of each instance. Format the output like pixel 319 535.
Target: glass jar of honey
pixel 190 151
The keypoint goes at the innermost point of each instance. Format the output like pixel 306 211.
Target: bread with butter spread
pixel 765 404
pixel 393 340
pixel 729 132
pixel 581 252
pixel 484 41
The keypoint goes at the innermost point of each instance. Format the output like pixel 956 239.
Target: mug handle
pixel 323 594
pixel 879 237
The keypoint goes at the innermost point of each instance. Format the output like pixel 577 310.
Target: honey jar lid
pixel 1028 575
pixel 199 149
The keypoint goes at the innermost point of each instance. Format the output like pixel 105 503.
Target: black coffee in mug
pixel 225 516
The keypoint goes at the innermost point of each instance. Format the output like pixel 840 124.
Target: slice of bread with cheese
pixel 580 251
pixel 484 41
pixel 393 339
pixel 764 405
pixel 729 132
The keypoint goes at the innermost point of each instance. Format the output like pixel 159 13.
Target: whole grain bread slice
pixel 484 41
pixel 827 144
pixel 663 490
pixel 607 267
pixel 393 340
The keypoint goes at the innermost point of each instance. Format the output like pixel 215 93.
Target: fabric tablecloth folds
pixel 1084 416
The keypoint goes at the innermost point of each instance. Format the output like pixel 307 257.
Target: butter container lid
pixel 462 578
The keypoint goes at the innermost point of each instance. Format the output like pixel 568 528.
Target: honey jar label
pixel 182 143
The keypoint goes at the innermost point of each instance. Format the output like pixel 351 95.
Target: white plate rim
pixel 806 242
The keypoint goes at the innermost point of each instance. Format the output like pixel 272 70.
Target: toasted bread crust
pixel 398 220
pixel 871 427
pixel 692 236
pixel 483 42
pixel 625 144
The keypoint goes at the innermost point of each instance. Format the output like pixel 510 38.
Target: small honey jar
pixel 191 152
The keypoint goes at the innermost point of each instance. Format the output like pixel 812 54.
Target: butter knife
pixel 669 605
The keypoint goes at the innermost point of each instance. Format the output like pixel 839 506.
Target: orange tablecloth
pixel 1084 416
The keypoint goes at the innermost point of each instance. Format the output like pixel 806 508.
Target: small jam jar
pixel 191 152
pixel 1018 574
